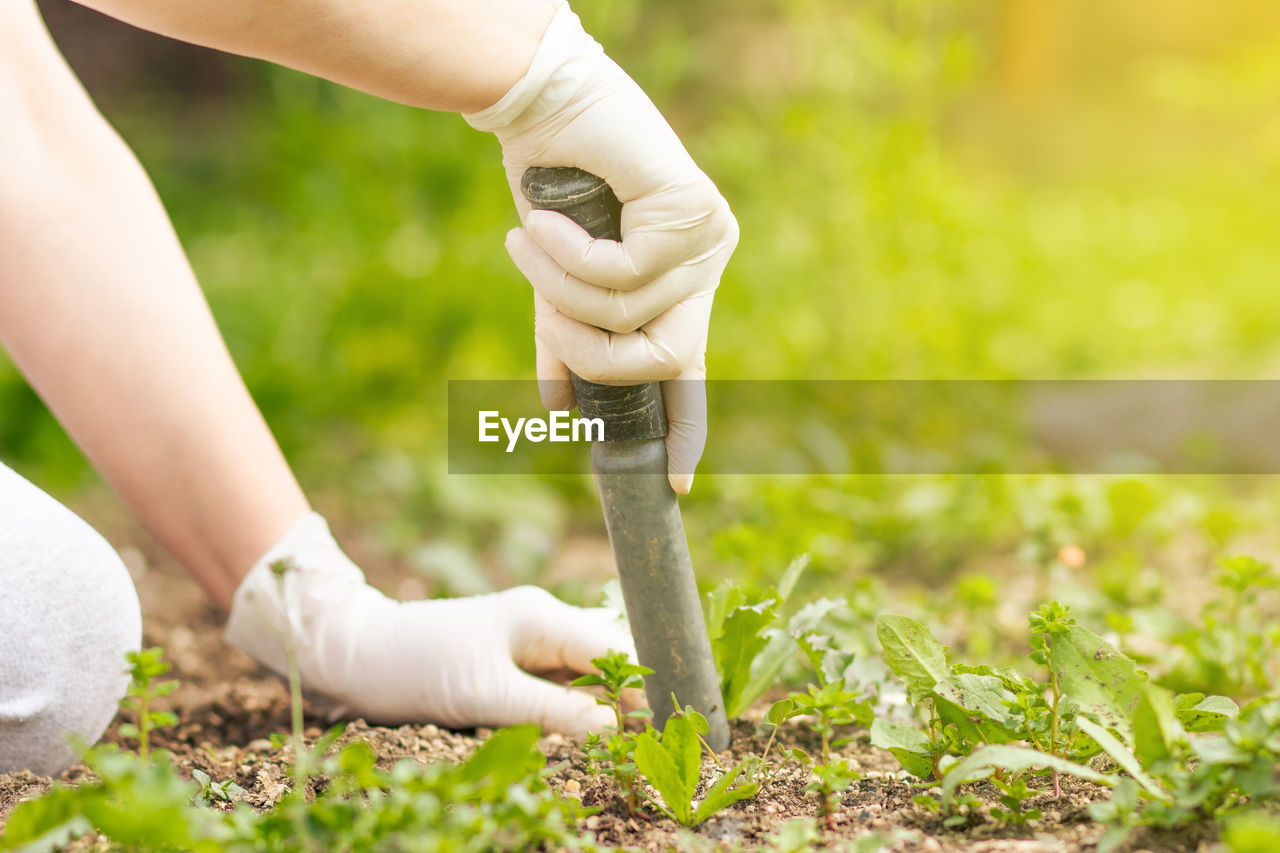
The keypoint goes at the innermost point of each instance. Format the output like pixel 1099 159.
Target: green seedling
pixel 779 712
pixel 1013 795
pixel 496 800
pixel 672 764
pixel 961 810
pixel 212 792
pixel 749 648
pixel 614 751
pixel 828 702
pixel 829 781
pixel 964 706
pixel 1235 646
pixel 144 667
pixel 797 835
pixel 1050 621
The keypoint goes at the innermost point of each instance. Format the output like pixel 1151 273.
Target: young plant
pixel 144 667
pixel 1184 758
pixel 749 648
pixel 1050 621
pixel 965 706
pixel 617 674
pixel 672 764
pixel 829 780
pixel 779 712
pixel 1235 647
pixel 212 792
pixel 496 800
pixel 1013 795
pixel 828 702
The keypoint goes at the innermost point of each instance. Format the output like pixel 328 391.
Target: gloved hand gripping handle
pixel 641 512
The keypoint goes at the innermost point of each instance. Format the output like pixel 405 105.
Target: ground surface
pixel 228 708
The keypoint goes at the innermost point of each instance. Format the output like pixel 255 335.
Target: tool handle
pixel 628 411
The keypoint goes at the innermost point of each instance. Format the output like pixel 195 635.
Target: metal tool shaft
pixel 641 512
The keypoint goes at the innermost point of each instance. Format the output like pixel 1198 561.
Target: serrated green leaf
pixel 791 576
pixel 720 601
pixel 735 650
pixel 975 704
pixel 912 653
pixel 973 727
pixel 1096 679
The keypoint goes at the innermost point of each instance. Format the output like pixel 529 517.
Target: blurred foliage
pixel 927 189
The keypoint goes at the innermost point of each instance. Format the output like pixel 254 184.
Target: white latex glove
pixel 614 312
pixel 458 662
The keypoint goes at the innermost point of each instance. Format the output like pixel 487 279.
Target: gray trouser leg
pixel 68 614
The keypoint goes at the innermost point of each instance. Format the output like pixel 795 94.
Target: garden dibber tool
pixel 641 512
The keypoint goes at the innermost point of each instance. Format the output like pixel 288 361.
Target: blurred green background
pixel 926 189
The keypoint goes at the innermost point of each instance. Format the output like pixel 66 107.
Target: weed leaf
pixel 912 653
pixel 791 576
pixel 1200 713
pixel 722 794
pixel 741 640
pixel 509 755
pixel 671 765
pixel 660 769
pixel 1156 729
pixel 1014 759
pixel 1096 679
pixel 908 744
pixel 1120 753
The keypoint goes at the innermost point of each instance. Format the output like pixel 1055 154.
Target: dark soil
pixel 228 708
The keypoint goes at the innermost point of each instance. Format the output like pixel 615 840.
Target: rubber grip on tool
pixel 628 411
pixel 641 511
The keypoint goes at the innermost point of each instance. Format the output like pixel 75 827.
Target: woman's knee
pixel 70 613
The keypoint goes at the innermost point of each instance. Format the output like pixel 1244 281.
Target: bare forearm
pixel 100 310
pixel 456 55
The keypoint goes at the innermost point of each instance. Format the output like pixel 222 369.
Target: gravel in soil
pixel 228 708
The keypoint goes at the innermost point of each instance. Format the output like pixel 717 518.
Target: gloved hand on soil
pixel 457 662
pixel 614 312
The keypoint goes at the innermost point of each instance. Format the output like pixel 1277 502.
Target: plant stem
pixel 764 756
pixel 144 730
pixel 1053 722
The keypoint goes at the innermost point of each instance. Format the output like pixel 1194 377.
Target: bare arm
pixel 101 311
pixel 456 55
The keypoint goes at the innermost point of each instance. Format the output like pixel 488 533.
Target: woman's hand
pixel 614 312
pixel 458 662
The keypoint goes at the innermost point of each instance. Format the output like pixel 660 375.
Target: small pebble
pixel 593 822
pixel 930 845
pixel 260 745
pixel 573 788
